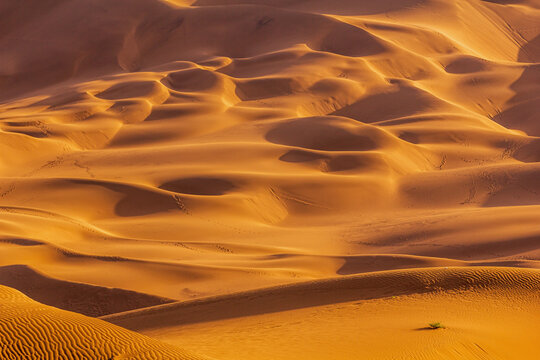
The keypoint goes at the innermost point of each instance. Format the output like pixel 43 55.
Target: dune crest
pixel 34 331
pixel 157 151
pixel 361 313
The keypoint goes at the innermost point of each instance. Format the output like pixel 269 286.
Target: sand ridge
pixel 157 151
pixel 34 331
pixel 361 313
pixel 372 285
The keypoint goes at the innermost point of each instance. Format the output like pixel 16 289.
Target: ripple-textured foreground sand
pixel 270 179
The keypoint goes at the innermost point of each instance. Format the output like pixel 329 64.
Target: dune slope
pixel 487 313
pixel 157 151
pixel 31 330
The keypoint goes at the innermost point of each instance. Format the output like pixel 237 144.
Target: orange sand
pixel 277 179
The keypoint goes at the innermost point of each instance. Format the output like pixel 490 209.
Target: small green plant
pixel 436 325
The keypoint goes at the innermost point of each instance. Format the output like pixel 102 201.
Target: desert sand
pixel 269 179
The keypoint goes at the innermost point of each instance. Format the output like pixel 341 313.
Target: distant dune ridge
pixel 277 179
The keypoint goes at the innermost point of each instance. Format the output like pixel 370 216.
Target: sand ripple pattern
pixel 155 151
pixel 29 330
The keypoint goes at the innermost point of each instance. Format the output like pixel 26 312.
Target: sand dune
pixel 33 331
pixel 361 313
pixel 209 152
pixel 81 298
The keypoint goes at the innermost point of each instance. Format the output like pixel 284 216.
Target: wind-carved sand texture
pixel 269 179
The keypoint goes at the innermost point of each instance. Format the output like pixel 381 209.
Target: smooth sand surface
pixel 277 179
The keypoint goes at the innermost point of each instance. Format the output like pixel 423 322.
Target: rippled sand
pixel 270 179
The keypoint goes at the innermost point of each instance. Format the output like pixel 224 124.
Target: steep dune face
pixel 155 151
pixel 33 331
pixel 81 298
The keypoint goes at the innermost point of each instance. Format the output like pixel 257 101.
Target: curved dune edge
pixel 488 313
pixel 31 330
pixel 330 291
pixel 200 149
pixel 81 298
pixel 152 142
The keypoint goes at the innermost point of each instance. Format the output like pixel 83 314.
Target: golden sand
pixel 270 179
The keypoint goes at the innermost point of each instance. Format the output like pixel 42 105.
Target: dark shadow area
pixel 136 201
pixel 199 186
pixel 523 114
pixel 323 133
pixel 324 6
pixel 84 299
pixel 427 328
pixel 400 102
